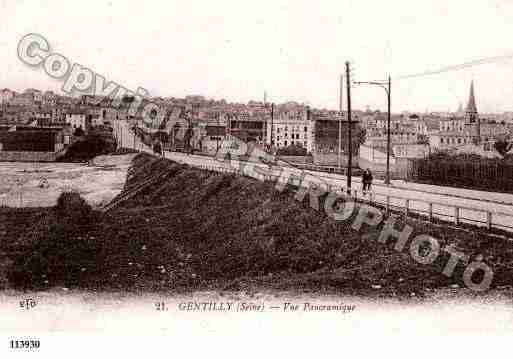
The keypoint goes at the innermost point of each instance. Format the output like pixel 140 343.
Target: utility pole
pixel 135 131
pixel 173 137
pixel 272 123
pixel 387 87
pixel 350 154
pixel 217 134
pixel 115 129
pixel 264 129
pixel 340 122
pixel 387 179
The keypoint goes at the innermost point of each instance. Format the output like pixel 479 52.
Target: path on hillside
pixel 472 210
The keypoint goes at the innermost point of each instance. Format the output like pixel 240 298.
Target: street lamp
pixel 386 86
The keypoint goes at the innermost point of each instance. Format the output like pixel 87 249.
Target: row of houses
pixel 33 144
pixel 215 124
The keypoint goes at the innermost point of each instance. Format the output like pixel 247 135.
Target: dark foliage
pixel 292 150
pixel 464 171
pixel 90 146
pixel 57 248
pixel 503 147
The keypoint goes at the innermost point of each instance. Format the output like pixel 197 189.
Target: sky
pixel 293 50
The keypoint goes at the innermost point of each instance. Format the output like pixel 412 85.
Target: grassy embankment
pixel 191 229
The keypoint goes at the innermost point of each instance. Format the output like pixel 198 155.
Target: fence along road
pixel 436 205
pixel 433 205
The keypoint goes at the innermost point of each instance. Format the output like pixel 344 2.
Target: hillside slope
pixel 178 228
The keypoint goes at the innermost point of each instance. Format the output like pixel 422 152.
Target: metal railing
pixel 455 213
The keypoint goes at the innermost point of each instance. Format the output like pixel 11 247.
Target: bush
pixel 464 171
pixel 57 249
pixel 71 206
pixel 291 150
pixel 92 145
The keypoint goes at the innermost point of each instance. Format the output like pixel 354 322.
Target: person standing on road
pixel 367 181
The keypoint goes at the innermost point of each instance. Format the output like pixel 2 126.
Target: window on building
pixel 441 140
pixel 285 142
pixel 306 129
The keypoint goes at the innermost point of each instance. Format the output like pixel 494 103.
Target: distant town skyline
pixel 460 111
pixel 292 51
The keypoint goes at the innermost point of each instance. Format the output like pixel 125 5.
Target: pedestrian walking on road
pixel 367 181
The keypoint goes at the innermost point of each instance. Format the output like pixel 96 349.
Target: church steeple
pixel 471 110
pixel 471 115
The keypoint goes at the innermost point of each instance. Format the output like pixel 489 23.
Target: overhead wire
pixel 486 60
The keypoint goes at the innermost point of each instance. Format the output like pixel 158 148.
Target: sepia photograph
pixel 256 178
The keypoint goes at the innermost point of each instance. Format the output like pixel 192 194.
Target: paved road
pixel 472 210
pixel 473 205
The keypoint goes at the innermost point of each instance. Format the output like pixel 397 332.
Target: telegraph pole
pixel 173 137
pixel 135 132
pixel 387 180
pixel 272 123
pixel 350 154
pixel 340 122
pixel 387 87
pixel 217 134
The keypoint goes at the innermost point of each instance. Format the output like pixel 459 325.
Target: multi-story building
pixel 427 126
pixel 26 143
pixel 23 99
pixel 450 139
pixel 328 127
pixel 291 127
pixel 6 96
pixel 452 124
pixel 49 98
pixel 248 126
pixel 77 119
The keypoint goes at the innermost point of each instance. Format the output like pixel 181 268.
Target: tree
pixel 361 135
pixel 79 132
pixel 157 147
pixel 503 147
pixel 422 139
pixel 292 150
pixel 127 99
